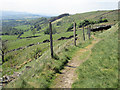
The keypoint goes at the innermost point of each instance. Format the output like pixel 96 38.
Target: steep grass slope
pixel 65 22
pixel 42 71
pixel 43 68
pixel 101 69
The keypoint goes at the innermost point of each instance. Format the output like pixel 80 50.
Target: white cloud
pixel 56 6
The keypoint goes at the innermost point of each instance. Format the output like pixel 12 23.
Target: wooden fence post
pixel 83 34
pixel 51 40
pixel 87 29
pixel 91 26
pixel 74 33
pixel 3 56
pixel 89 32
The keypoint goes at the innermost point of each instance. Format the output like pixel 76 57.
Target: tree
pixel 38 28
pixel 70 28
pixel 47 31
pixel 86 22
pixel 58 23
pixel 80 24
pixel 102 20
pixel 34 31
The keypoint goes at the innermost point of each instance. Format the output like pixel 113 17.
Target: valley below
pixel 85 51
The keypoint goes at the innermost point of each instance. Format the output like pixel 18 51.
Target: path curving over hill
pixel 68 75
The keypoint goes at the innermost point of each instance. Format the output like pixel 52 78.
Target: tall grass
pixel 101 69
pixel 44 68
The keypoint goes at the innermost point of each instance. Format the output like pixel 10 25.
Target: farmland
pixel 36 68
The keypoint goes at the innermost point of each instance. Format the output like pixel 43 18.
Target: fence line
pixel 51 40
pixel 74 33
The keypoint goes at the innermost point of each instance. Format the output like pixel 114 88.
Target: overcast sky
pixel 56 7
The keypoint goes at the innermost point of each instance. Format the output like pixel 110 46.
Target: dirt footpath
pixel 68 75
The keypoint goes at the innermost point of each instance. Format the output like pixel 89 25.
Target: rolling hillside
pixel 27 61
pixel 19 15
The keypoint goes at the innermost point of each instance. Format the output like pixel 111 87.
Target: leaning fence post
pixel 51 40
pixel 83 34
pixel 74 33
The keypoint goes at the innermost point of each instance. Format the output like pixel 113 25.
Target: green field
pixel 101 68
pixel 47 70
pixel 23 27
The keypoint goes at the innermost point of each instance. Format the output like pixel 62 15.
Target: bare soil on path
pixel 68 74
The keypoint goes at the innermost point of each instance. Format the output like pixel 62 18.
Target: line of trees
pixel 11 31
pixel 47 31
pixel 87 22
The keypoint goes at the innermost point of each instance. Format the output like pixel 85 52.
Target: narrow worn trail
pixel 68 75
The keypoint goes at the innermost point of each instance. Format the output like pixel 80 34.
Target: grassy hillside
pixel 95 15
pixel 16 58
pixel 101 69
pixel 43 69
pixel 65 23
pixel 34 63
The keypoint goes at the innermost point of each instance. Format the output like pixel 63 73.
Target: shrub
pixel 58 23
pixel 102 20
pixel 87 22
pixel 47 31
pixel 70 28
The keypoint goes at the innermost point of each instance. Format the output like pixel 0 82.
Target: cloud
pixel 57 6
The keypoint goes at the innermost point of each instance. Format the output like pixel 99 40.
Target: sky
pixel 56 7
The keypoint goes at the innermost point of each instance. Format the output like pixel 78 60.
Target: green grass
pixel 14 59
pixel 29 33
pixel 9 37
pixel 65 23
pixel 95 15
pixel 45 68
pixel 101 69
pixel 68 20
pixel 23 27
pixel 24 42
pixel 26 34
pixel 18 57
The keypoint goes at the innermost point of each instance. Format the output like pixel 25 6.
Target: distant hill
pixel 61 23
pixel 19 15
pixel 58 17
pixel 26 51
